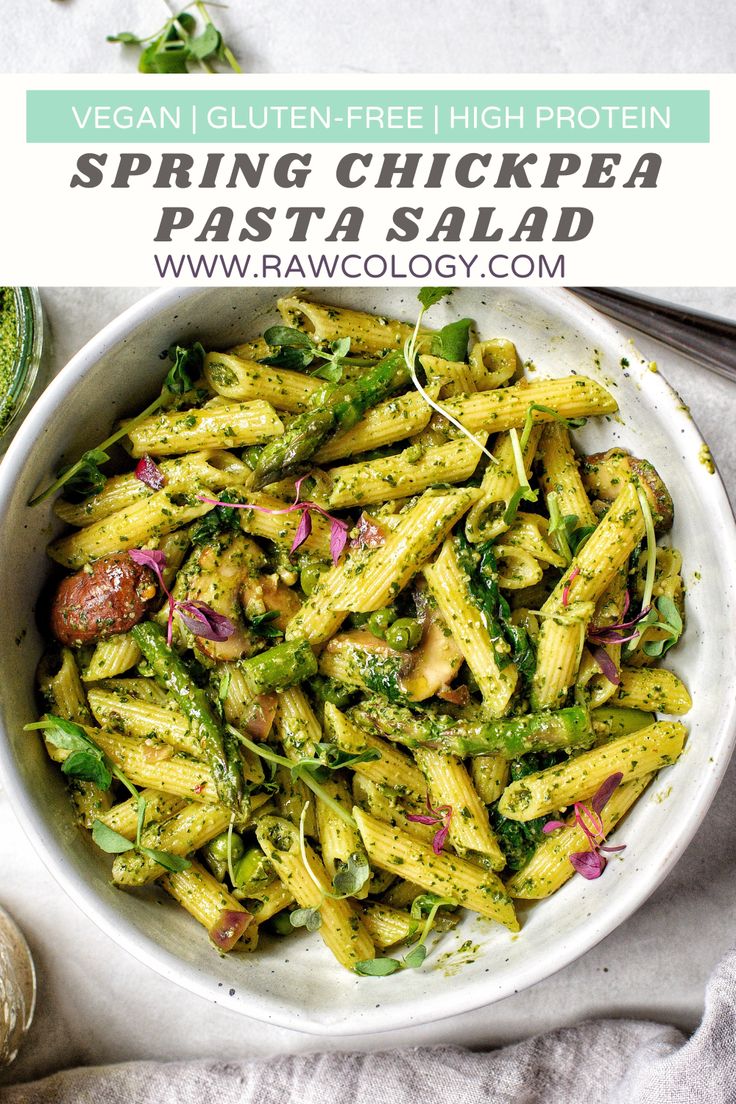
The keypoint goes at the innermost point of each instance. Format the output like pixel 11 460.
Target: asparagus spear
pixel 515 736
pixel 611 721
pixel 219 748
pixel 510 736
pixel 278 667
pixel 290 454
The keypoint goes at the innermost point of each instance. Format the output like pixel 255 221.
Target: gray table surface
pixel 96 1004
pixel 351 36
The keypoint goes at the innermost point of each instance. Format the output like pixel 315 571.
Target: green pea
pixel 404 634
pixel 280 924
pixel 253 869
pixel 379 621
pixel 310 576
pixel 217 848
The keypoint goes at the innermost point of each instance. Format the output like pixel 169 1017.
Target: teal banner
pixel 246 116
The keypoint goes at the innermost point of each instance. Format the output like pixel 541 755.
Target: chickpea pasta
pixel 364 639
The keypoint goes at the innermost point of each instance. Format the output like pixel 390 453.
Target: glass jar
pixel 17 383
pixel 17 988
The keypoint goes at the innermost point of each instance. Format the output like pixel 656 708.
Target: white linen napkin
pixel 597 1062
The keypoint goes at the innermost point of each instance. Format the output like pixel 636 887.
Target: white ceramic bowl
pixel 119 370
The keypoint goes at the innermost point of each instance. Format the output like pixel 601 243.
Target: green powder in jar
pixel 8 352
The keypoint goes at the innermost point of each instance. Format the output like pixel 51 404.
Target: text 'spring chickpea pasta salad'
pixel 359 639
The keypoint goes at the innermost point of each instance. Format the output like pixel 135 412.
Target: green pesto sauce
pixel 8 352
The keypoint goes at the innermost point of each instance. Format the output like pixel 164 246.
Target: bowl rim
pixel 455 1000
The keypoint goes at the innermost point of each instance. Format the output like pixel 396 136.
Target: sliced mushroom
pixel 605 473
pixel 266 594
pixel 215 575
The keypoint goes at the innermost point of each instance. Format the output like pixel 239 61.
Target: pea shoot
pixel 185 39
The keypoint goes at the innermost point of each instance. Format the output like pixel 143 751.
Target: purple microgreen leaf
pixel 420 818
pixel 603 794
pixel 588 863
pixel 589 823
pixel 440 837
pixel 566 589
pixel 148 471
pixel 607 666
pixel 155 559
pixel 553 825
pixel 203 621
pixel 338 539
pixel 303 530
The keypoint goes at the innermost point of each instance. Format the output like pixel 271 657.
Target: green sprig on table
pixel 185 39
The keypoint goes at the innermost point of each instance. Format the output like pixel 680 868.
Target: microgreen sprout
pixel 302 769
pixel 87 761
pixel 348 881
pixel 297 350
pixel 84 475
pixel 648 615
pixel 181 42
pixel 339 529
pixel 442 816
pixel 566 589
pixel 427 298
pixel 383 967
pixel 591 863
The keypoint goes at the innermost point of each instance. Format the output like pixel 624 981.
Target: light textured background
pixel 96 1004
pixel 355 36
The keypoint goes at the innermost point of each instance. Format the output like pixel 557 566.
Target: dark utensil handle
pixel 709 339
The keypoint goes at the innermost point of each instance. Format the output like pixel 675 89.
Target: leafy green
pixel 309 918
pixel 261 623
pixel 519 839
pixel 297 351
pixel 173 863
pixel 218 521
pixel 352 876
pixel 86 760
pixel 451 342
pixel 177 45
pixel 669 622
pixel 481 570
pixel 187 363
pixel 428 296
pixel 110 841
pixel 378 967
pixel 85 477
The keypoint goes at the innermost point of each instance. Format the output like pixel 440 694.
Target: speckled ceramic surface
pixel 121 368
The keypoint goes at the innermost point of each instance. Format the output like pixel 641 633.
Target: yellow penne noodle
pixel 500 482
pixel 243 379
pixel 206 900
pixel 571 604
pixel 450 785
pixel 507 407
pixel 517 568
pixel 280 527
pixel 447 875
pixel 338 839
pixel 387 422
pixel 490 775
pixel 493 363
pixel 211 468
pixel 123 817
pixel 407 473
pixel 258 349
pixel 64 690
pixel 550 866
pixel 530 532
pixel 342 928
pixel 653 689
pixel 560 474
pixel 394 769
pixel 143 523
pixel 185 832
pixel 148 763
pixel 143 719
pixel 632 755
pixel 216 425
pixel 372 583
pixel 368 333
pixel 112 657
pixel 448 584
pixel 388 926
pixel 450 377
pixel 298 727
